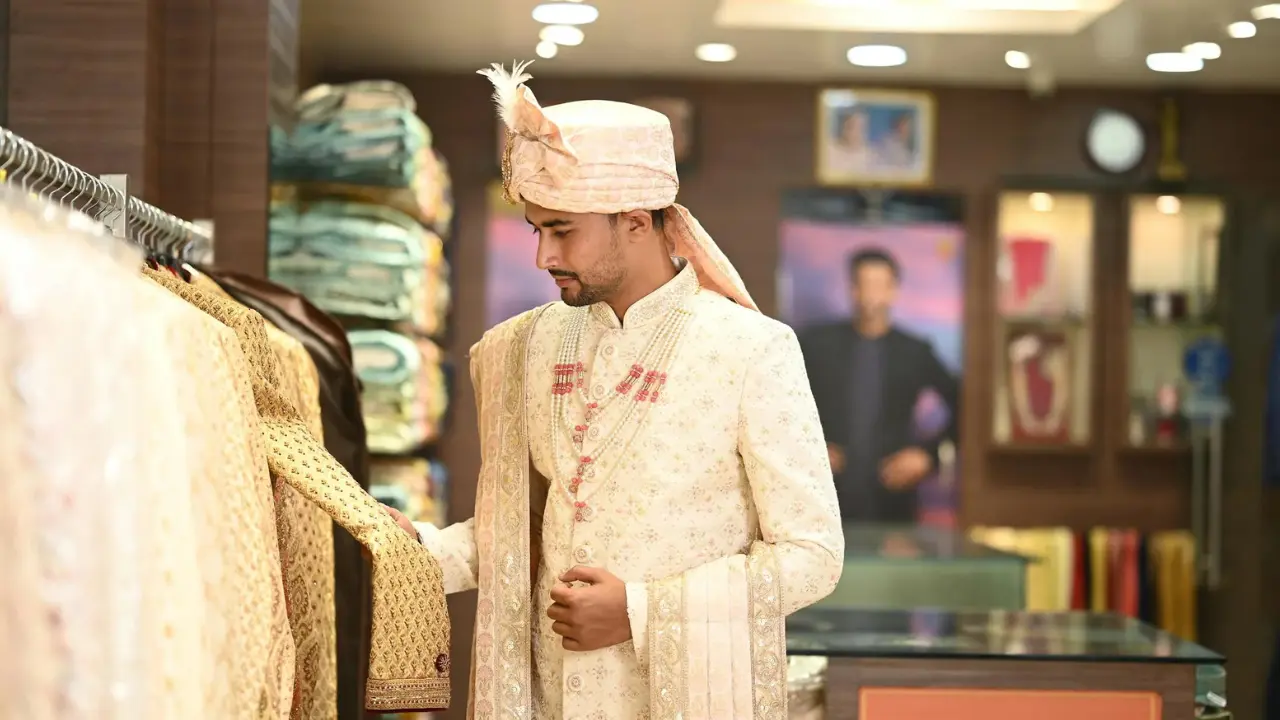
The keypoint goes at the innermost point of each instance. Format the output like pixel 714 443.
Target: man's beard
pixel 585 294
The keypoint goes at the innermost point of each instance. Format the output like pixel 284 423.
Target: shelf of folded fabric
pixel 888 566
pixel 405 390
pixel 1148 576
pixel 416 487
pixel 370 266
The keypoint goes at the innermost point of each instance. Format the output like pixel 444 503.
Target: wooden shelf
pixel 1176 450
pixel 1041 449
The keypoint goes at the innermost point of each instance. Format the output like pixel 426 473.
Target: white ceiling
pixel 1104 43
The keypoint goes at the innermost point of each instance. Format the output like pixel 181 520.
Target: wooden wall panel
pixel 173 93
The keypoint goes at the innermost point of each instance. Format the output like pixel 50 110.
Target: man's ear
pixel 637 223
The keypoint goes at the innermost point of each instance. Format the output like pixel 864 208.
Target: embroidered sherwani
pixel 716 506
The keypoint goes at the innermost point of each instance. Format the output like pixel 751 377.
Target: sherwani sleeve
pixel 712 638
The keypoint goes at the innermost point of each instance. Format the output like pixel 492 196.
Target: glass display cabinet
pixel 1044 330
pixel 911 567
pixel 1172 290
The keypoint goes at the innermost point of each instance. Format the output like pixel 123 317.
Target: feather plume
pixel 506 88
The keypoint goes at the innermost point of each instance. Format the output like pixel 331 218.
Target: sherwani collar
pixel 653 306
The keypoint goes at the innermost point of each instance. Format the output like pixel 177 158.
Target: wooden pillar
pixel 175 93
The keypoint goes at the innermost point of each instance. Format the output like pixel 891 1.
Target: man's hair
pixel 658 217
pixel 874 256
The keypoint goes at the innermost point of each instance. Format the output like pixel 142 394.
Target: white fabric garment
pixel 103 464
pixel 730 453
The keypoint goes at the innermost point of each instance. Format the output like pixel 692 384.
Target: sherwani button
pixel 598 392
pixel 574 682
pixel 582 555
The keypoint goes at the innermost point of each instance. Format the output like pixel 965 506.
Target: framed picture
pixel 875 137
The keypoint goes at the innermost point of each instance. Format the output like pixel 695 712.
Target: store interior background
pixel 172 92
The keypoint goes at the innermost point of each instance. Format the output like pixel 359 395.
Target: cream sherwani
pixel 720 516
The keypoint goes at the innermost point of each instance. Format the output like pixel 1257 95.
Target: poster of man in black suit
pixel 868 375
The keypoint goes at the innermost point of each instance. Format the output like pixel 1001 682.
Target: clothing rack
pixel 34 169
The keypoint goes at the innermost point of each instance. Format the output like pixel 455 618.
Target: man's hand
pixel 590 617
pixel 905 468
pixel 837 458
pixel 405 523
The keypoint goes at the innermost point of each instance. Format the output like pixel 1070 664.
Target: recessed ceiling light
pixel 565 13
pixel 1017 60
pixel 1168 204
pixel 716 52
pixel 1271 11
pixel 1174 62
pixel 547 49
pixel 1241 30
pixel 877 56
pixel 1040 201
pixel 1203 50
pixel 567 35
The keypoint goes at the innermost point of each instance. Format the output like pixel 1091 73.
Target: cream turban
pixel 596 156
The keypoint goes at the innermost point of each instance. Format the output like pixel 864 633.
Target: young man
pixel 655 496
pixel 868 375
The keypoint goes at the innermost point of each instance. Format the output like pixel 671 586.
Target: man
pixel 897 148
pixel 655 495
pixel 868 376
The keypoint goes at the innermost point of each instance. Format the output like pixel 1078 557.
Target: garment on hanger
pixel 143 603
pixel 344 438
pixel 306 540
pixel 409 657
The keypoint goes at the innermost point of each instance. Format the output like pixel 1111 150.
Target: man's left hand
pixel 905 468
pixel 591 616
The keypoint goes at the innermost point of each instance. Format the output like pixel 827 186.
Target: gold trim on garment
pixel 503 667
pixel 768 634
pixel 399 695
pixel 668 653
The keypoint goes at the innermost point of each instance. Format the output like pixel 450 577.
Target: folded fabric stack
pixel 1146 576
pixel 413 486
pixel 361 209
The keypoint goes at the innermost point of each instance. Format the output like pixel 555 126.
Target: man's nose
pixel 546 254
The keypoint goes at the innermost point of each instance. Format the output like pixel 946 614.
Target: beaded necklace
pixel 570 379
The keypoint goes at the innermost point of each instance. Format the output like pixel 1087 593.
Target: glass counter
pixel 845 663
pixel 901 567
pixel 987 635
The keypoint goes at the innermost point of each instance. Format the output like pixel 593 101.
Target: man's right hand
pixel 837 458
pixel 404 522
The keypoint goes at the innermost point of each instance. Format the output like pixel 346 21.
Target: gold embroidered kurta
pixel 306 541
pixel 409 662
pixel 720 516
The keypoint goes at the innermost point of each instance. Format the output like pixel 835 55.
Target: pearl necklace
pixel 570 379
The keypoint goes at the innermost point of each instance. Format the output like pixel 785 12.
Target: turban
pixel 596 156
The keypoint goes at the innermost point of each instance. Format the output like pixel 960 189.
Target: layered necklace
pixel 638 390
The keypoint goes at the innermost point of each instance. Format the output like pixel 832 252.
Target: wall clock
pixel 1115 141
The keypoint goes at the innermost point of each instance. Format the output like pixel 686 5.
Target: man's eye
pixel 561 234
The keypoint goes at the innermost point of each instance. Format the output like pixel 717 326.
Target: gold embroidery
pixel 410 619
pixel 503 664
pixel 668 674
pixel 508 192
pixel 768 634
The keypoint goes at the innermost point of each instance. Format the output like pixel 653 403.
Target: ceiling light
pixel 1203 50
pixel 1040 201
pixel 1017 60
pixel 1168 204
pixel 716 52
pixel 877 56
pixel 1267 12
pixel 547 49
pixel 567 35
pixel 1241 30
pixel 1174 62
pixel 565 13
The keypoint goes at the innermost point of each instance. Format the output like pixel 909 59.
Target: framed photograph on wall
pixel 875 138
